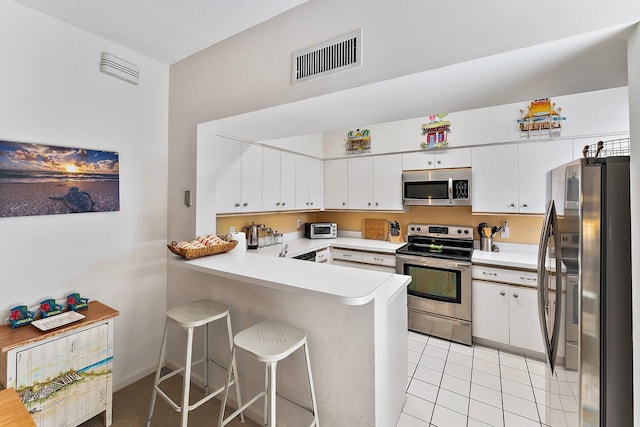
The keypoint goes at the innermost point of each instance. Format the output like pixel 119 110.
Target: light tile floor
pixel 453 385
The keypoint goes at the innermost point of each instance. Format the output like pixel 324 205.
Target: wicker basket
pixel 200 252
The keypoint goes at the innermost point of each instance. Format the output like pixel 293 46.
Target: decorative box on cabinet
pixel 63 376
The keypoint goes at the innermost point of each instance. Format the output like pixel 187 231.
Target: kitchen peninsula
pixel 356 324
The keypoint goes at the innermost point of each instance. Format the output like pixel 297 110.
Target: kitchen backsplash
pixel 523 228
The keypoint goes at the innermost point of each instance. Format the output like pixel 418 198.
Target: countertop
pixel 263 267
pixel 303 245
pixel 524 260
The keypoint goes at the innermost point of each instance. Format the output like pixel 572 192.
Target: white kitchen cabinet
pixel 367 260
pixel 278 180
pixel 494 178
pixel 437 159
pixel 63 376
pixel 308 183
pixel 505 307
pixel 375 182
pixel 238 187
pixel 336 193
pixel 535 159
pixel 510 178
pixel 490 311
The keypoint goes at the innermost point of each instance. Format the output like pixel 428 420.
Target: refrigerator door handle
pixel 549 228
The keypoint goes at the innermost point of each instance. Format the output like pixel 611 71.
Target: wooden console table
pixel 63 376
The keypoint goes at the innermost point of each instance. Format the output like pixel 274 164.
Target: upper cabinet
pixel 510 178
pixel 308 173
pixel 278 180
pixel 237 180
pixel 437 159
pixel 375 182
pixel 335 184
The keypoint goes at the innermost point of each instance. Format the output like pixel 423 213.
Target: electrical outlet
pixel 504 233
pixel 232 229
pixel 299 223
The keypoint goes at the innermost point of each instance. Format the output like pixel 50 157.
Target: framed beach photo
pixel 38 179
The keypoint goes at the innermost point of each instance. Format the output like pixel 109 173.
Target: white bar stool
pixel 269 342
pixel 190 316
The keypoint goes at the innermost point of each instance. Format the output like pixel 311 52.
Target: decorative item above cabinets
pixel 358 142
pixel 541 119
pixel 435 132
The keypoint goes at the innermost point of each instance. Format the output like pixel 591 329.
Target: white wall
pixel 591 113
pixel 53 93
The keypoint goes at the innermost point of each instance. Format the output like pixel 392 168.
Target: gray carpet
pixel 131 404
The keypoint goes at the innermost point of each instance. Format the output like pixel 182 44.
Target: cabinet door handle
pixel 377 203
pixel 502 293
pixel 429 162
pixel 515 295
pixel 311 203
pixel 245 204
pixel 512 205
pixel 307 203
pixel 369 204
pixel 439 162
pixel 278 204
pixel 524 205
pixel 237 205
pixel 486 273
pixel 344 203
pixel 284 203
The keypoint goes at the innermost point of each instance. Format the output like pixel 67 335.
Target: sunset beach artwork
pixel 38 179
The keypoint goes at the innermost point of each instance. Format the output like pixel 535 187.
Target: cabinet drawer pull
pixel 530 279
pixel 515 295
pixel 486 273
pixel 502 293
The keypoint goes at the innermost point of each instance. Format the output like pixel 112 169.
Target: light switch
pixel 187 198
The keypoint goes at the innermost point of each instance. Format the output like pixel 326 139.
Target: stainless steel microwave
pixel 444 187
pixel 315 230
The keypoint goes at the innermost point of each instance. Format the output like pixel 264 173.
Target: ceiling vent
pixel 330 57
pixel 119 68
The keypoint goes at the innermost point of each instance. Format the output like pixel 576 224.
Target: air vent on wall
pixel 119 68
pixel 330 57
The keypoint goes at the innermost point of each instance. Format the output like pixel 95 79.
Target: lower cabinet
pixel 506 314
pixel 377 261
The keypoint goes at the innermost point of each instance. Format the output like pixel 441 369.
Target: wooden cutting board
pixel 376 229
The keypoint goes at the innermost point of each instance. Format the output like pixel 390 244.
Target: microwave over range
pixel 444 187
pixel 317 230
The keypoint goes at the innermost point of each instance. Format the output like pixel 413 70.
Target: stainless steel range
pixel 438 259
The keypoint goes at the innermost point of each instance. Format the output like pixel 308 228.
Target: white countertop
pixel 303 245
pixel 524 260
pixel 263 267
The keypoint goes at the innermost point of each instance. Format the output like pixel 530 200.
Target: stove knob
pixel 413 229
pixel 466 231
pixel 459 231
pixel 418 229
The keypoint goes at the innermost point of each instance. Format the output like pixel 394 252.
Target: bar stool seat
pixel 190 316
pixel 270 342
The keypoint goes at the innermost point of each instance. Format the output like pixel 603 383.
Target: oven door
pixel 438 286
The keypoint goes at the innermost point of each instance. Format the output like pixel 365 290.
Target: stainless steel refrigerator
pixel 585 254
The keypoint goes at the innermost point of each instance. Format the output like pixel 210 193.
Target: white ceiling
pixel 165 30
